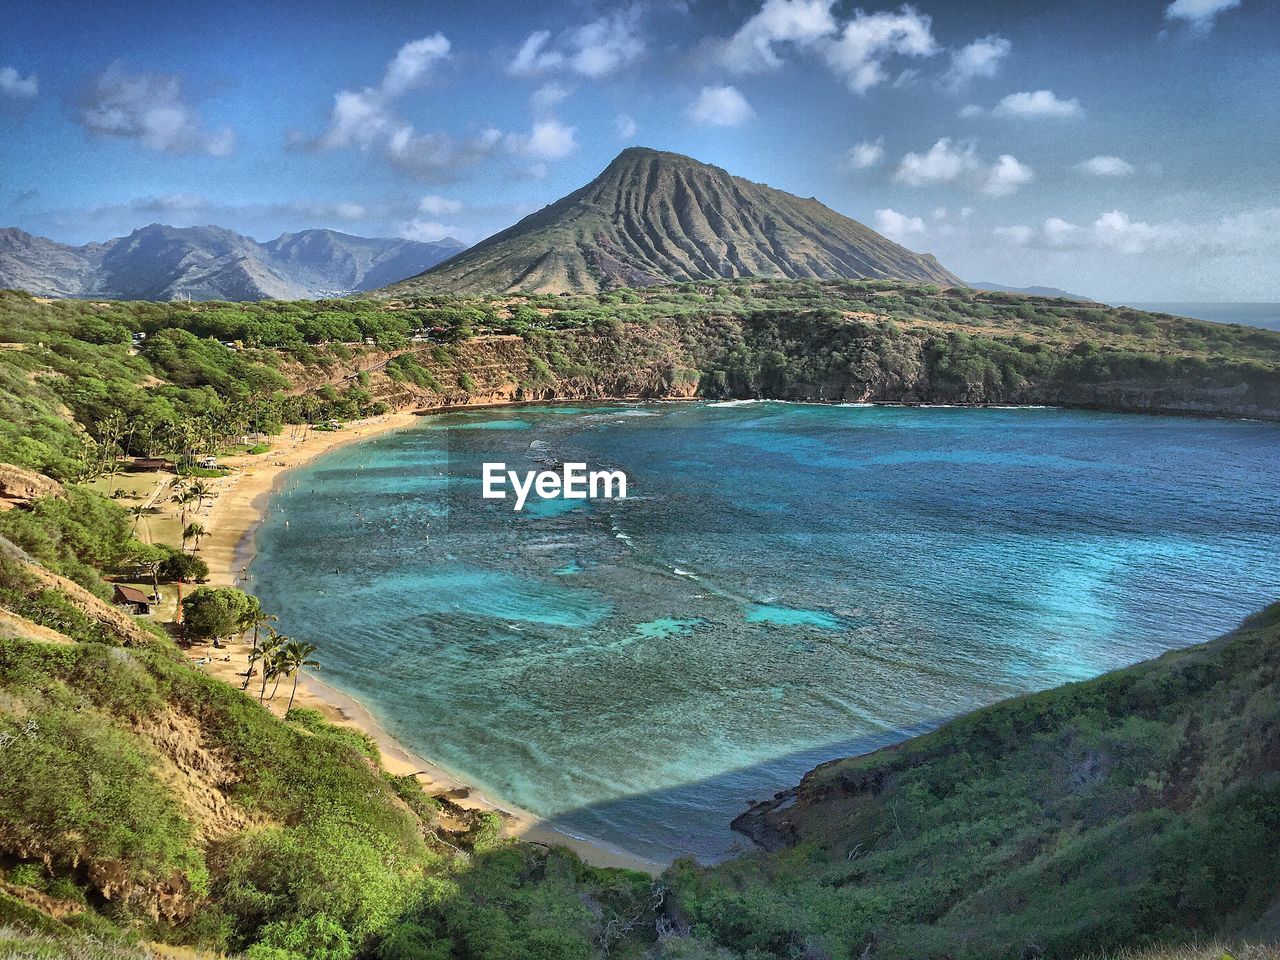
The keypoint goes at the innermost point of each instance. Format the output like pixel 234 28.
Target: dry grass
pixel 1206 951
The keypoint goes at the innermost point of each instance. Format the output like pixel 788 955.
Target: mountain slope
pixel 210 263
pixel 654 217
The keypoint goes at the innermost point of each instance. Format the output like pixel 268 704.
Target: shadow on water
pixel 683 811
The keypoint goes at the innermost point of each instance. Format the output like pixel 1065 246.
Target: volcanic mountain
pixel 654 217
pixel 210 263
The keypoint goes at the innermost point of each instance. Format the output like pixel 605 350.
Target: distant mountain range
pixel 211 263
pixel 654 217
pixel 1030 291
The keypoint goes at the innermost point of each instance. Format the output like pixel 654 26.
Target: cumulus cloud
pixel 433 157
pixel 944 162
pixel 625 126
pixel 547 96
pixel 1016 236
pixel 898 226
pixel 1036 104
pixel 548 140
pixel 859 52
pixel 751 48
pixel 437 206
pixel 1198 14
pixel 1249 233
pixel 1105 166
pixel 148 109
pixel 1006 175
pixel 367 119
pixel 363 117
pixel 720 107
pixel 980 59
pixel 866 154
pixel 949 162
pixel 595 50
pixel 427 231
pixel 14 84
pixel 970 110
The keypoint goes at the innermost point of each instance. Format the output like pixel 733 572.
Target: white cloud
pixel 866 154
pixel 1037 103
pixel 1006 176
pixel 427 231
pixel 971 110
pixel 948 162
pixel 413 63
pixel 625 126
pixel 547 96
pixel 437 156
pixel 898 226
pixel 751 48
pixel 977 60
pixel 1105 166
pixel 548 140
pixel 858 54
pixel 1058 232
pixel 720 107
pixel 1198 14
pixel 366 119
pixel 533 58
pixel 943 163
pixel 362 117
pixel 1252 233
pixel 1018 235
pixel 14 84
pixel 436 206
pixel 595 50
pixel 150 109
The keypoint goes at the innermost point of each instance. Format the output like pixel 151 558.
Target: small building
pixel 151 463
pixel 133 598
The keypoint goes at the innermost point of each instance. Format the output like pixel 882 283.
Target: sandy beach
pixel 232 517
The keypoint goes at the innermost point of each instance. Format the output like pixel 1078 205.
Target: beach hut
pixel 133 598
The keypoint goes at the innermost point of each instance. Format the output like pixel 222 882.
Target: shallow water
pixel 786 584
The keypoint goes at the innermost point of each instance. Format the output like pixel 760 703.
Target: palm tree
pixel 259 618
pixel 137 511
pixel 202 492
pixel 266 652
pixel 292 659
pixel 193 531
pixel 184 498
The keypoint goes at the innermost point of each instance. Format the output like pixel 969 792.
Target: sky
pixel 1123 150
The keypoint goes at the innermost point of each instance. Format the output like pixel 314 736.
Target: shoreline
pixel 234 517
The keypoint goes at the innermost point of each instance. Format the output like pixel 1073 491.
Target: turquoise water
pixel 787 583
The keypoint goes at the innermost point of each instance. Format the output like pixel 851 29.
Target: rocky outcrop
pixel 19 486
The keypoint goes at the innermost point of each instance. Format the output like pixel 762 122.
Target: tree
pixel 183 567
pixel 266 653
pixel 259 619
pixel 294 657
pixel 138 511
pixel 211 613
pixel 193 531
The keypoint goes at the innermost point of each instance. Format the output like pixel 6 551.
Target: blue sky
pixel 1122 150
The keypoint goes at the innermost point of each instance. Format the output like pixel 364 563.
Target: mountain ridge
pixel 654 217
pixel 160 262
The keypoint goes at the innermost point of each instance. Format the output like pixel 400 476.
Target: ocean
pixel 785 584
pixel 1265 315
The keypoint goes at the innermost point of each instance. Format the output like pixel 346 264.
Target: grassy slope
pixel 1144 804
